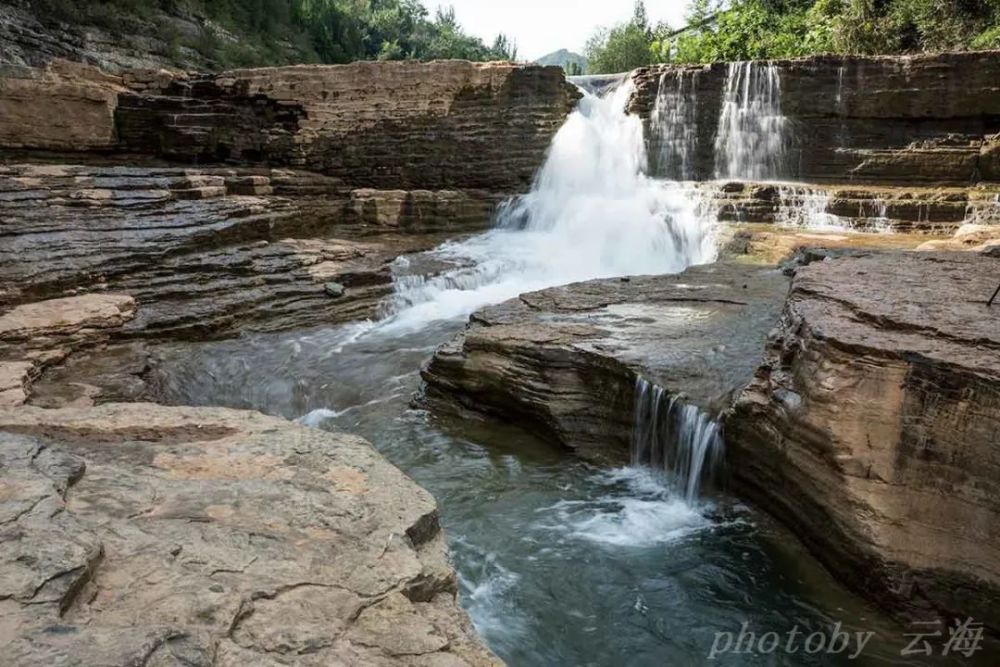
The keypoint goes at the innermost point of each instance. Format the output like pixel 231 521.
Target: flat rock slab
pixel 141 534
pixel 564 361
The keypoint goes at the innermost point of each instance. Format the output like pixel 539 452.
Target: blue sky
pixel 542 26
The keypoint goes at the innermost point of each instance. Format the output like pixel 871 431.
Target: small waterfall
pixel 983 211
pixel 802 206
pixel 675 437
pixel 874 214
pixel 674 124
pixel 751 141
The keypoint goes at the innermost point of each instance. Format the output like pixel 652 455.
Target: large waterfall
pixel 592 212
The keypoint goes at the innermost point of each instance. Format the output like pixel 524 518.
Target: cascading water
pixel 674 124
pixel 676 437
pixel 593 212
pixel 803 206
pixel 751 142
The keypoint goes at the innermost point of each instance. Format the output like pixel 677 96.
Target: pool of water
pixel 560 562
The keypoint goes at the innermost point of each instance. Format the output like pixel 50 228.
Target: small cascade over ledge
pixel 677 438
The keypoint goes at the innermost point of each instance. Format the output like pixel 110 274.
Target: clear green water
pixel 560 562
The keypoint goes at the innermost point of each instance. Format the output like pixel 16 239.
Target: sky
pixel 542 26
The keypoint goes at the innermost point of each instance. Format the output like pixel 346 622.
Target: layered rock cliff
pixel 870 425
pixel 891 120
pixel 873 427
pixel 290 234
pixel 563 362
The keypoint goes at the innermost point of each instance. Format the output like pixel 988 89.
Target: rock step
pixel 903 209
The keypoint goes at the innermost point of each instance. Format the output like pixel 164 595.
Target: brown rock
pixel 444 124
pixel 65 107
pixel 210 536
pixel 872 427
pixel 563 362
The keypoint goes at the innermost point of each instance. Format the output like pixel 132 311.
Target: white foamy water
pixel 638 508
pixel 592 213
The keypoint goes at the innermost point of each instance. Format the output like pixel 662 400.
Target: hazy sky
pixel 542 26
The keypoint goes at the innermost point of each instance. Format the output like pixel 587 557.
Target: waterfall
pixel 674 124
pixel 675 437
pixel 592 212
pixel 751 141
pixel 803 206
pixel 874 215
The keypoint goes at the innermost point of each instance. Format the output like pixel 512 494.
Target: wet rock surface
pixel 144 534
pixel 881 208
pixel 564 361
pixel 872 427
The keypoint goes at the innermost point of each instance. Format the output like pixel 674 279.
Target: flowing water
pixel 752 138
pixel 560 562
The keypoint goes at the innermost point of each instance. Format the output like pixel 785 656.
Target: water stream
pixel 560 562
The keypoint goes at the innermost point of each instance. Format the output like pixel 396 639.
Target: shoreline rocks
pixel 142 533
pixel 872 429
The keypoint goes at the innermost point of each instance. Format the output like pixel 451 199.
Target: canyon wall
pixel 923 119
pixel 872 427
pixel 138 181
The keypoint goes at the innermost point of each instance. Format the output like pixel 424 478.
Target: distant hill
pixel 563 58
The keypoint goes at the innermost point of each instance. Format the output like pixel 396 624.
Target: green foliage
pixel 622 47
pixel 241 33
pixel 750 29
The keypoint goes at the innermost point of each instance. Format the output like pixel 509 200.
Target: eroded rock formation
pixel 563 362
pixel 139 534
pixel 161 206
pixel 872 428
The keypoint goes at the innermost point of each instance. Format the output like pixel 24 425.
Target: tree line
pixel 717 30
pixel 269 32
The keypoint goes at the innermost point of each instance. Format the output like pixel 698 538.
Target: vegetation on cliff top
pixel 748 29
pixel 241 33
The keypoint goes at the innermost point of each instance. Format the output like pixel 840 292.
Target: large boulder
pixel 140 534
pixel 873 427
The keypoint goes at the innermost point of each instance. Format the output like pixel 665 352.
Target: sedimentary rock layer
pixel 563 362
pixel 444 124
pixel 878 208
pixel 139 534
pixel 214 251
pixel 893 119
pixel 388 125
pixel 873 427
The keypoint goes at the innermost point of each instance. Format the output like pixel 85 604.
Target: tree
pixel 622 47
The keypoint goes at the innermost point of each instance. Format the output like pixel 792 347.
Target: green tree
pixel 622 47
